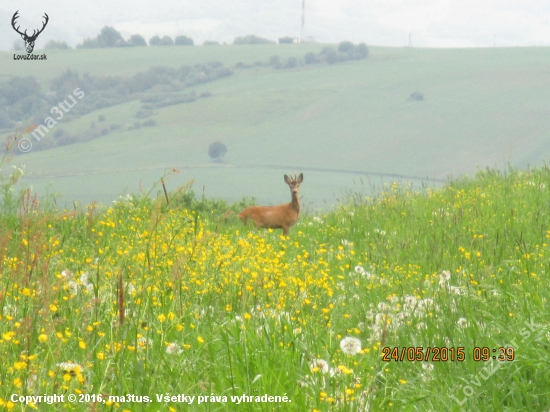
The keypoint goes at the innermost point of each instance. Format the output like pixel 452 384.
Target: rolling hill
pixel 339 124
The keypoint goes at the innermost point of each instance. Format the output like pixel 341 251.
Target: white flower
pixel 334 371
pixel 350 346
pixel 173 349
pixel 462 322
pixel 73 287
pixel 383 307
pixel 359 269
pixel 319 363
pixel 427 366
pixel 84 278
pixel 69 367
pixel 421 325
pixel 142 342
pixel 456 290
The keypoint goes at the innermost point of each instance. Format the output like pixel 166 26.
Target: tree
pixel 154 41
pixel 157 41
pixel 286 40
pixel 184 41
pixel 108 37
pixel 361 50
pixel 217 150
pixel 137 40
pixel 345 47
pixel 251 39
pixel 166 41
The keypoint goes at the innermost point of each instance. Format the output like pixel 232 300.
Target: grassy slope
pixel 482 107
pixel 249 311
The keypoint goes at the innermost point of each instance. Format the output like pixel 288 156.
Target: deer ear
pixel 300 178
pixel 287 179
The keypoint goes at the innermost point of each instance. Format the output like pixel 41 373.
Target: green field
pixel 400 302
pixel 335 123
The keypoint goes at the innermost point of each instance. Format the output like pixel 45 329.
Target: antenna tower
pixel 303 20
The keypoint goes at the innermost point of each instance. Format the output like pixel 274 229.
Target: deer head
pixel 294 183
pixel 29 40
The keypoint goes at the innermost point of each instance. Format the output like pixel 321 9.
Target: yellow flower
pixel 161 318
pixel 20 365
pixel 402 382
pixel 200 339
pixel 82 344
pixel 8 335
pixel 43 338
pixel 53 308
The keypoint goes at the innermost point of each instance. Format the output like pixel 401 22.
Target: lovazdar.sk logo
pixel 29 40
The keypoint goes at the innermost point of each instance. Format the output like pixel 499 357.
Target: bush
pixel 149 123
pixel 346 47
pixel 331 56
pixel 211 43
pixel 311 58
pixel 416 96
pixel 291 62
pixel 184 41
pixel 52 44
pixel 286 40
pixel 251 39
pixel 275 61
pixel 5 121
pixel 217 150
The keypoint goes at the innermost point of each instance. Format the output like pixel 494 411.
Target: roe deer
pixel 277 217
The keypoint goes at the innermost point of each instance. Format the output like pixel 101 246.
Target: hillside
pixel 480 107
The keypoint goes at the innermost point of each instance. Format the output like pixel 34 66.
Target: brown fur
pixel 280 216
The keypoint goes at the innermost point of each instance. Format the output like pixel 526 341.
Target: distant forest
pixel 23 102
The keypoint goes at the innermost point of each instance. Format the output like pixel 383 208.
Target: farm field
pixel 336 123
pixel 402 301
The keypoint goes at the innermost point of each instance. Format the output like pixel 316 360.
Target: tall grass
pixel 149 298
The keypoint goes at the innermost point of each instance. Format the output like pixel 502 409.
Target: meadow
pixel 397 301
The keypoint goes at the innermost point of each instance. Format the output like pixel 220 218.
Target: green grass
pixel 482 107
pixel 145 298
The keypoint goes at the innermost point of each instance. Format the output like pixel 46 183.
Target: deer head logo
pixel 29 40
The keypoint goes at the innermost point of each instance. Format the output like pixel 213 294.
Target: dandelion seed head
pixel 350 345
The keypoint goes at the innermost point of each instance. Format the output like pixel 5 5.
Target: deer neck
pixel 295 202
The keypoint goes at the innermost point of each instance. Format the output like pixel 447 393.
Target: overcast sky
pixel 431 23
